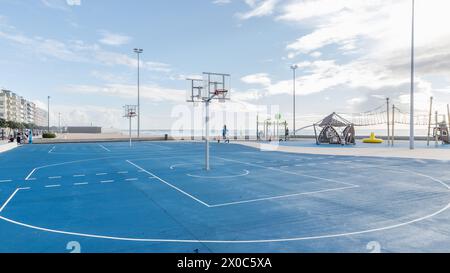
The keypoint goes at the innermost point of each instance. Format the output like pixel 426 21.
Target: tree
pixel 3 123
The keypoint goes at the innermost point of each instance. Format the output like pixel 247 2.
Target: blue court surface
pixel 156 197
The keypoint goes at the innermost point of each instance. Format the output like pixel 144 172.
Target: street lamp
pixel 411 132
pixel 138 51
pixel 294 68
pixel 48 114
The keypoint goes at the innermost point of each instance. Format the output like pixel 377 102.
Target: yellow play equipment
pixel 372 139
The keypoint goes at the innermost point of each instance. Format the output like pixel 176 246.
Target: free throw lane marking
pixel 170 185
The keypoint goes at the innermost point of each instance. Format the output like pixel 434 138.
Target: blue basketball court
pixel 157 197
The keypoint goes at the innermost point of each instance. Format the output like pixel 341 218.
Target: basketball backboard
pixel 213 86
pixel 217 86
pixel 130 111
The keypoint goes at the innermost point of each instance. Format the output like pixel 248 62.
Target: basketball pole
pixel 411 129
pixel 388 125
pixel 207 135
pixel 130 130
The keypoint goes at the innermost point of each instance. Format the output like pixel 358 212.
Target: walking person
pixel 224 134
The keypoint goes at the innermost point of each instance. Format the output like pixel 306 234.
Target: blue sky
pixel 351 54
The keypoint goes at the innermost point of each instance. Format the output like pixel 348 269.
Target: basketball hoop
pixel 213 86
pixel 221 95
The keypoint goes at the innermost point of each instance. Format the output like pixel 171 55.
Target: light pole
pixel 138 51
pixel 48 114
pixel 59 122
pixel 411 132
pixel 294 68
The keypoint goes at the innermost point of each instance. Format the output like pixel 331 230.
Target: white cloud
pixel 316 54
pixel 259 8
pixel 61 4
pixel 259 79
pixel 221 2
pixel 150 92
pixel 114 39
pixel 73 2
pixel 78 51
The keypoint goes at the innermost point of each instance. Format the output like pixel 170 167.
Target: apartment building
pixel 16 108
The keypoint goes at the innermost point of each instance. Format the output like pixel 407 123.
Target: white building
pixel 16 108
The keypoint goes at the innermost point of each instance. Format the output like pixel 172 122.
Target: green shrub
pixel 49 135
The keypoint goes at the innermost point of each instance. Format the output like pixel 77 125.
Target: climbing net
pixel 379 116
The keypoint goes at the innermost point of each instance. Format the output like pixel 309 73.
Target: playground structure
pixel 335 130
pixel 388 115
pixel 372 139
pixel 272 129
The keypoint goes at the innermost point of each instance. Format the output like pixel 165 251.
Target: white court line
pixel 170 185
pixel 31 179
pixel 131 179
pixel 79 175
pixel 288 172
pixel 4 181
pixel 53 186
pixel 107 181
pixel 51 150
pixel 81 184
pixel 124 172
pixel 100 174
pixel 30 174
pixel 104 148
pixel 292 239
pixel 281 197
pixel 246 172
pixel 9 199
pixel 54 177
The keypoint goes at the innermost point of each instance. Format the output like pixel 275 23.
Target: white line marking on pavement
pixel 54 177
pixel 104 148
pixel 9 199
pixel 286 171
pixel 124 172
pixel 4 181
pixel 107 181
pixel 81 184
pixel 30 174
pixel 131 179
pixel 170 185
pixel 79 175
pixel 53 186
pixel 291 239
pixel 100 174
pixel 281 196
